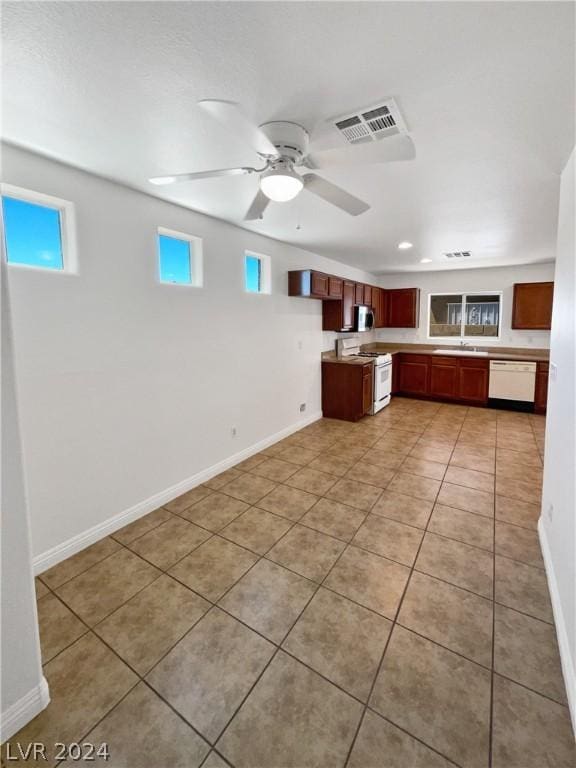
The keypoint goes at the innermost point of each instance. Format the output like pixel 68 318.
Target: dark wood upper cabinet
pixel 335 285
pixel 339 315
pixel 444 377
pixel 348 295
pixel 319 285
pixel 541 391
pixel 403 307
pixel 383 309
pixel 310 284
pixel 393 308
pixel 378 305
pixel 532 306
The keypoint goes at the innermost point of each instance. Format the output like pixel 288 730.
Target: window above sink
pixel 458 316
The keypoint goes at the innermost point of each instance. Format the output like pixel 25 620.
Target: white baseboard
pixel 561 632
pixel 24 710
pixel 82 540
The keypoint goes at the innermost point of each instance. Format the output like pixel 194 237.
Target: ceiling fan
pixel 283 147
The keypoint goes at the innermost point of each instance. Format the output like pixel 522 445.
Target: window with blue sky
pixel 33 234
pixel 175 260
pixel 253 270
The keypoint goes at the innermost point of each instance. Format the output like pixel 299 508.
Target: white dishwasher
pixel 512 384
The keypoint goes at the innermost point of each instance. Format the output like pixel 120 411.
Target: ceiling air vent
pixel 372 123
pixel 458 255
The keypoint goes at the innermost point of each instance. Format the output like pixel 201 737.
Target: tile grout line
pixel 279 646
pixel 346 544
pixel 493 654
pixel 394 624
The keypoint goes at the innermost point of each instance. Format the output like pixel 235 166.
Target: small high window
pixel 257 273
pixel 38 230
pixel 179 258
pixel 464 315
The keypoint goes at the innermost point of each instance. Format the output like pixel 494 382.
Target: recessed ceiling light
pixel 425 261
pixel 404 245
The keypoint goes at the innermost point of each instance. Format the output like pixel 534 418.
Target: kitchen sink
pixel 462 351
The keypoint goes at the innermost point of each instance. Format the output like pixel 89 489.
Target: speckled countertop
pixel 330 357
pixel 494 353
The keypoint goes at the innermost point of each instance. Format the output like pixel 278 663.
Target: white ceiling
pixel 487 90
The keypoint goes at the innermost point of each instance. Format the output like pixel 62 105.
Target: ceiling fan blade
pixel 334 194
pixel 230 115
pixel 259 205
pixel 177 177
pixel 387 150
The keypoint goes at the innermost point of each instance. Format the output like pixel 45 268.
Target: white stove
pixel 350 347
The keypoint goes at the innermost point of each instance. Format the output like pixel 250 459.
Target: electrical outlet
pixel 550 512
pixel 302 407
pixel 300 345
pixel 233 431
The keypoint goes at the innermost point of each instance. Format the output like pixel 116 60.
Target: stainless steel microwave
pixel 363 318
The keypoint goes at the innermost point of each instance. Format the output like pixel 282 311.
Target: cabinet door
pixel 319 285
pixel 335 287
pixel 383 308
pixel 403 306
pixel 368 295
pixel 359 293
pixel 414 374
pixel 444 378
pixel 532 306
pixel 367 388
pixel 395 373
pixel 349 292
pixel 541 392
pixel 376 306
pixel 472 381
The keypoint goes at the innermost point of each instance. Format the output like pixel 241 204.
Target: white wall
pixel 486 279
pixel 557 524
pixel 129 387
pixel 24 690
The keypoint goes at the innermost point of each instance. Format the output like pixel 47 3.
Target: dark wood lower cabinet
pixel 413 374
pixel 395 374
pixel 473 377
pixel 541 392
pixel 347 390
pixel 444 377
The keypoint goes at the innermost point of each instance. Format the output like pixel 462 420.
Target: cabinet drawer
pixel 410 358
pixel 474 362
pixel 440 360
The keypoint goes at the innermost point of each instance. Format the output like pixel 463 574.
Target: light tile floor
pixel 363 595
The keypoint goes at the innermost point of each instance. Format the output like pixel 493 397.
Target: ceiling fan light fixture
pixel 280 184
